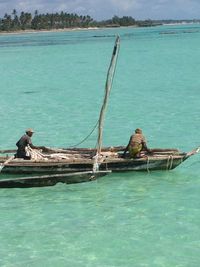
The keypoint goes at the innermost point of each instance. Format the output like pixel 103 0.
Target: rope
pixel 109 82
pixel 96 164
pixel 170 161
pixel 171 164
pixel 167 163
pixel 148 164
pixel 35 154
pixel 86 136
pixel 110 77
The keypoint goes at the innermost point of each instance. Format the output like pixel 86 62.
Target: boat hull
pixel 115 165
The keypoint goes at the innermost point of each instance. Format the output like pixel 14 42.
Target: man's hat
pixel 29 130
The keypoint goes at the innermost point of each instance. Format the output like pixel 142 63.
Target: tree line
pixel 49 21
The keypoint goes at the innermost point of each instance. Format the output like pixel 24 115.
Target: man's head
pixel 29 132
pixel 138 131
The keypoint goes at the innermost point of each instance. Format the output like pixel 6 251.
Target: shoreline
pixel 46 31
pixel 87 29
pixel 62 30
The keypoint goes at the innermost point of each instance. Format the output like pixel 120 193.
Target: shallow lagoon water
pixel 54 83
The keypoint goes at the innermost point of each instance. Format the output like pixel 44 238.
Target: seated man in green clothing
pixel 136 144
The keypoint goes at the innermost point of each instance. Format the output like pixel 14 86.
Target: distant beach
pixel 53 30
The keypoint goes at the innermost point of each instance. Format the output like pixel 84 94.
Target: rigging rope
pixel 171 164
pixel 148 164
pixel 109 81
pixel 87 135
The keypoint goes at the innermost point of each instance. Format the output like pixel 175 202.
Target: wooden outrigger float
pixel 50 180
pixel 73 165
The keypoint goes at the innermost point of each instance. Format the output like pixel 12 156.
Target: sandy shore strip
pixel 46 31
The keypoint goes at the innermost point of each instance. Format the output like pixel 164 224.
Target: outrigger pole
pixel 108 86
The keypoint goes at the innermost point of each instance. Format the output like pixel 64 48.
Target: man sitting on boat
pixel 23 144
pixel 136 144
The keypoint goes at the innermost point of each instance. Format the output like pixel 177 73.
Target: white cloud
pixel 125 5
pixel 104 9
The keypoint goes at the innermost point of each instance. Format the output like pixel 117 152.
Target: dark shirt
pixel 22 144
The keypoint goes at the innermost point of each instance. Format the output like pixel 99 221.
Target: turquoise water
pixel 54 83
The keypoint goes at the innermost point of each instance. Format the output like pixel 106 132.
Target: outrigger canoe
pixel 76 166
pixel 82 160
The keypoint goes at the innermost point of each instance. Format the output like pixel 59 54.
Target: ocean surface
pixel 54 83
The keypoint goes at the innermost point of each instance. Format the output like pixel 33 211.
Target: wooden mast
pixel 108 85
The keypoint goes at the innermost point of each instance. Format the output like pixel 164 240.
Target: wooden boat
pixel 75 160
pixel 68 165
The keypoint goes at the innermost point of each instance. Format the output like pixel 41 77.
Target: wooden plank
pixel 87 151
pixel 8 151
pixel 71 150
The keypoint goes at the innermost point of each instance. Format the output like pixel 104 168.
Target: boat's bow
pixel 192 152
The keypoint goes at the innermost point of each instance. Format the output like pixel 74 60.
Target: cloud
pixel 125 5
pixel 104 9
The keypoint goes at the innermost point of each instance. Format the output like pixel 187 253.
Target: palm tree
pixel 25 20
pixel 14 12
pixel 7 21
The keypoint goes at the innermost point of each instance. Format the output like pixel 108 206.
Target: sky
pixel 105 9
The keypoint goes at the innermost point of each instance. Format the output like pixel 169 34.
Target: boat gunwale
pixel 53 162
